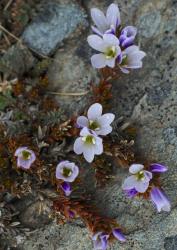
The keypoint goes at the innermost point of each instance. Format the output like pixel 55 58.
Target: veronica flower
pixel 100 241
pixel 25 157
pixel 95 121
pixel 89 144
pixel 108 45
pixel 127 36
pixel 118 235
pixel 157 168
pixel 139 180
pixel 108 23
pixel 67 171
pixel 66 187
pixel 160 200
pixel 131 59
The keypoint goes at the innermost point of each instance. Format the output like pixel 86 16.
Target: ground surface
pixel 147 97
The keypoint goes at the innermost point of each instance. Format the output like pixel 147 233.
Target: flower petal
pixel 129 183
pixel 135 168
pixel 104 131
pixel 118 235
pixel 99 19
pixel 98 61
pixel 96 31
pixel 96 42
pixel 111 62
pixel 98 149
pixel 160 200
pixel 110 39
pixel 106 119
pixel 78 146
pixel 88 152
pixel 157 168
pixel 141 186
pixel 82 121
pixel 113 15
pixel 95 111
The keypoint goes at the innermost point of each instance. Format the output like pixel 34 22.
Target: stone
pixel 71 72
pixel 16 61
pixel 170 243
pixel 54 23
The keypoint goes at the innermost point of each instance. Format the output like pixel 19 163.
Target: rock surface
pixel 55 22
pixel 147 97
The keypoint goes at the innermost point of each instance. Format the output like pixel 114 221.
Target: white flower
pixel 107 23
pixel 131 59
pixel 139 179
pixel 88 144
pixel 109 48
pixel 97 122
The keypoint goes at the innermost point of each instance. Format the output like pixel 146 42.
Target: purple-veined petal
pixel 94 111
pixel 160 200
pixel 78 146
pixel 66 187
pixel 111 39
pixel 96 43
pixel 104 131
pixel 88 152
pixel 99 19
pixel 106 119
pixel 157 168
pixel 98 149
pixel 131 193
pixel 118 235
pixel 129 183
pixel 141 186
pixel 111 62
pixel 98 61
pixel 135 168
pixel 147 175
pixel 124 70
pixel 96 31
pixel 84 132
pixel 82 121
pixel 113 15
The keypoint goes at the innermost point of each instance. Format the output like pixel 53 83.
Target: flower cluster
pixel 89 143
pixel 100 239
pixel 116 45
pixel 141 181
pixel 68 172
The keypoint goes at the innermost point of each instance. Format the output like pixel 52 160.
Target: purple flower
pixel 131 59
pixel 118 235
pixel 25 157
pixel 89 144
pixel 66 187
pixel 139 180
pixel 109 48
pixel 100 241
pixel 131 193
pixel 160 200
pixel 127 36
pixel 67 171
pixel 96 122
pixel 108 23
pixel 157 168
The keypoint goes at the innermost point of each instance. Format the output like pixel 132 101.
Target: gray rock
pixel 71 72
pixel 16 61
pixel 55 23
pixel 170 243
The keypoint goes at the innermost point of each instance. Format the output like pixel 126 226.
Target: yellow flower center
pixel 66 172
pixel 110 52
pixel 93 125
pixel 140 176
pixel 26 155
pixel 89 139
